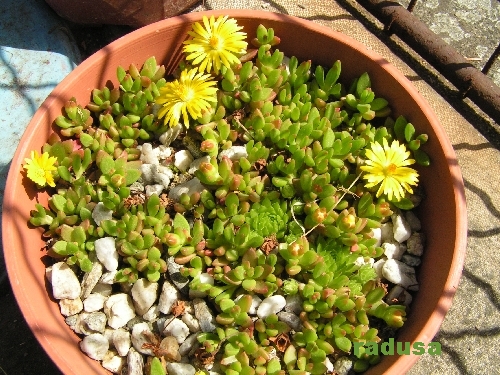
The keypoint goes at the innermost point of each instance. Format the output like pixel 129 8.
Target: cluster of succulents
pixel 291 216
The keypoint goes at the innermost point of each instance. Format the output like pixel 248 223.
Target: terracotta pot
pixel 443 212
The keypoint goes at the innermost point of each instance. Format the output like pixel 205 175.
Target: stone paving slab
pixel 470 334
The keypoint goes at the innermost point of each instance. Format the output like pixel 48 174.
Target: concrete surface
pixel 470 334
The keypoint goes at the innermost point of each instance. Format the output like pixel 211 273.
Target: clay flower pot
pixel 443 212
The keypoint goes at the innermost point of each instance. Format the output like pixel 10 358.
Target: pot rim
pixel 14 264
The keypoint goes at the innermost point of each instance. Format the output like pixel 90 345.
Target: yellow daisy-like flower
pixel 189 95
pixel 40 168
pixel 216 43
pixel 387 165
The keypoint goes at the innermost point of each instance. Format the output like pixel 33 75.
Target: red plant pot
pixel 443 212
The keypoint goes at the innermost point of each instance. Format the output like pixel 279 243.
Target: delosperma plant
pixel 297 167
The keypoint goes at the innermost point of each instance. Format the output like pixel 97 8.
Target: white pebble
pixel 105 250
pixel 393 250
pixel 70 306
pixel 148 172
pixel 108 277
pixel 377 234
pixel 94 302
pixel 135 362
pixel 171 135
pixel 189 187
pixel 402 230
pixel 176 328
pixel 180 369
pixel 113 363
pixel 65 284
pixel 147 154
pixel 271 305
pixel 234 153
pixel 121 341
pixel 104 289
pixel 144 294
pixel 378 265
pixel 162 152
pixel 152 314
pixel 169 295
pixel 182 160
pixel 154 189
pixel 399 273
pixel 119 309
pixel 140 335
pixel 100 213
pixel 163 176
pixel 191 322
pixel 95 346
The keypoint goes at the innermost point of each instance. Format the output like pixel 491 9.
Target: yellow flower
pixel 388 166
pixel 40 168
pixel 215 44
pixel 191 94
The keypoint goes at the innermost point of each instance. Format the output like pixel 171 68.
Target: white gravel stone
pixel 95 321
pixel 105 250
pixel 104 289
pixel 204 315
pixel 271 305
pixel 169 295
pixel 415 244
pixel 180 281
pixel 162 152
pixel 329 365
pixel 171 135
pixel 191 322
pixel 113 362
pixel 163 175
pixel 195 165
pixel 135 362
pixel 182 160
pixel 180 369
pixel 402 230
pixel 189 187
pixel 70 306
pixel 108 277
pixel 90 279
pixel 119 309
pixel 154 189
pixel 152 314
pixel 377 234
pixel 147 173
pixel 147 154
pixel 189 345
pixel 121 341
pixel 140 335
pixel 378 265
pixel 400 294
pixel 65 284
pixel 144 294
pixel 234 153
pixel 399 273
pixel 387 232
pixel 94 302
pixel 176 328
pixel 95 346
pixel 343 366
pixel 100 213
pixel 393 250
pixel 413 220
